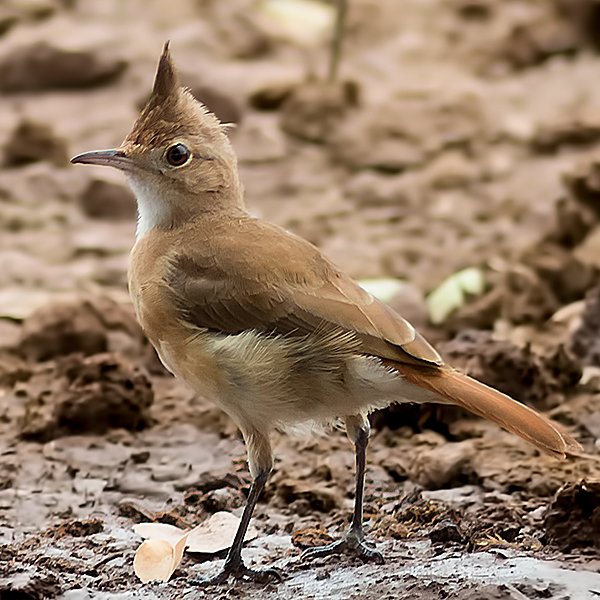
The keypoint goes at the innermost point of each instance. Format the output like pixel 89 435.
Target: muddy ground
pixel 458 133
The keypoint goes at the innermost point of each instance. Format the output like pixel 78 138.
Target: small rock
pixel 445 531
pixel 451 169
pixel 32 142
pixel 42 66
pixel 532 45
pixel 225 499
pixel 448 465
pixel 139 458
pixel 271 96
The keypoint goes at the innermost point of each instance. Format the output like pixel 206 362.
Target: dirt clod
pixel 311 537
pixel 32 141
pixel 315 497
pixel 79 528
pixel 86 394
pixel 573 518
pixel 43 66
pixel 62 329
pixel 83 326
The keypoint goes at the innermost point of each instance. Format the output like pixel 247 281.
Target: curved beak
pixel 111 158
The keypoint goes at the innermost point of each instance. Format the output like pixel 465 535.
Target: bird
pixel 258 320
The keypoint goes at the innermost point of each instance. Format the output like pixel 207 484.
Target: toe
pixel 262 575
pixel 316 551
pixel 368 554
pixel 208 581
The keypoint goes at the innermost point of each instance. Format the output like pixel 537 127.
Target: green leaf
pixel 453 293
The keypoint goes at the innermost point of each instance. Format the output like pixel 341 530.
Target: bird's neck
pixel 160 210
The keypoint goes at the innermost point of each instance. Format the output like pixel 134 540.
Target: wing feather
pixel 287 286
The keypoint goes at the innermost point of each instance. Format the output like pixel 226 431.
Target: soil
pixel 458 133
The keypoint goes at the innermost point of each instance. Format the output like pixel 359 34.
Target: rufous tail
pixel 459 389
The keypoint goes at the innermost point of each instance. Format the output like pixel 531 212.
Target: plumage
pixel 282 284
pixel 257 319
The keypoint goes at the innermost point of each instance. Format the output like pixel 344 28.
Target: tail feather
pixel 484 401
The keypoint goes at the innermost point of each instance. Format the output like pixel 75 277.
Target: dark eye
pixel 177 155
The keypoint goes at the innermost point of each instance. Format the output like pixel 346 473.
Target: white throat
pixel 152 209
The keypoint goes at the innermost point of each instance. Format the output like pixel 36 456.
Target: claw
pixel 239 571
pixel 353 543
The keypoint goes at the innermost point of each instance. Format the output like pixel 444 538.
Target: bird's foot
pixel 239 570
pixel 353 543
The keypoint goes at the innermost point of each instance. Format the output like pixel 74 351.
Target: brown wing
pixel 258 276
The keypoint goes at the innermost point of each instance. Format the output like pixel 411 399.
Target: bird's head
pixel 177 158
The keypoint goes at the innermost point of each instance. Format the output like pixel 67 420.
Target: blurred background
pixel 442 142
pixel 443 152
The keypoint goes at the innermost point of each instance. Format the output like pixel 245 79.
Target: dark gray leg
pixel 354 542
pixel 234 565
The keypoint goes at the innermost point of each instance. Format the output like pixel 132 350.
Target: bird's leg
pixel 354 542
pixel 258 448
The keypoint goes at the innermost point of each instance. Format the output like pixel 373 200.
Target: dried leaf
pixel 453 292
pixel 216 533
pixel 161 553
pixel 155 560
pixel 159 531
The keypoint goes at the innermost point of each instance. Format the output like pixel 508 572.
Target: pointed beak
pixel 111 158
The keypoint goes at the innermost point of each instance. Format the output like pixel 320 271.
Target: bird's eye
pixel 177 155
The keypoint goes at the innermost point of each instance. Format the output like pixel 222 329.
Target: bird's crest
pixel 172 112
pixel 166 81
